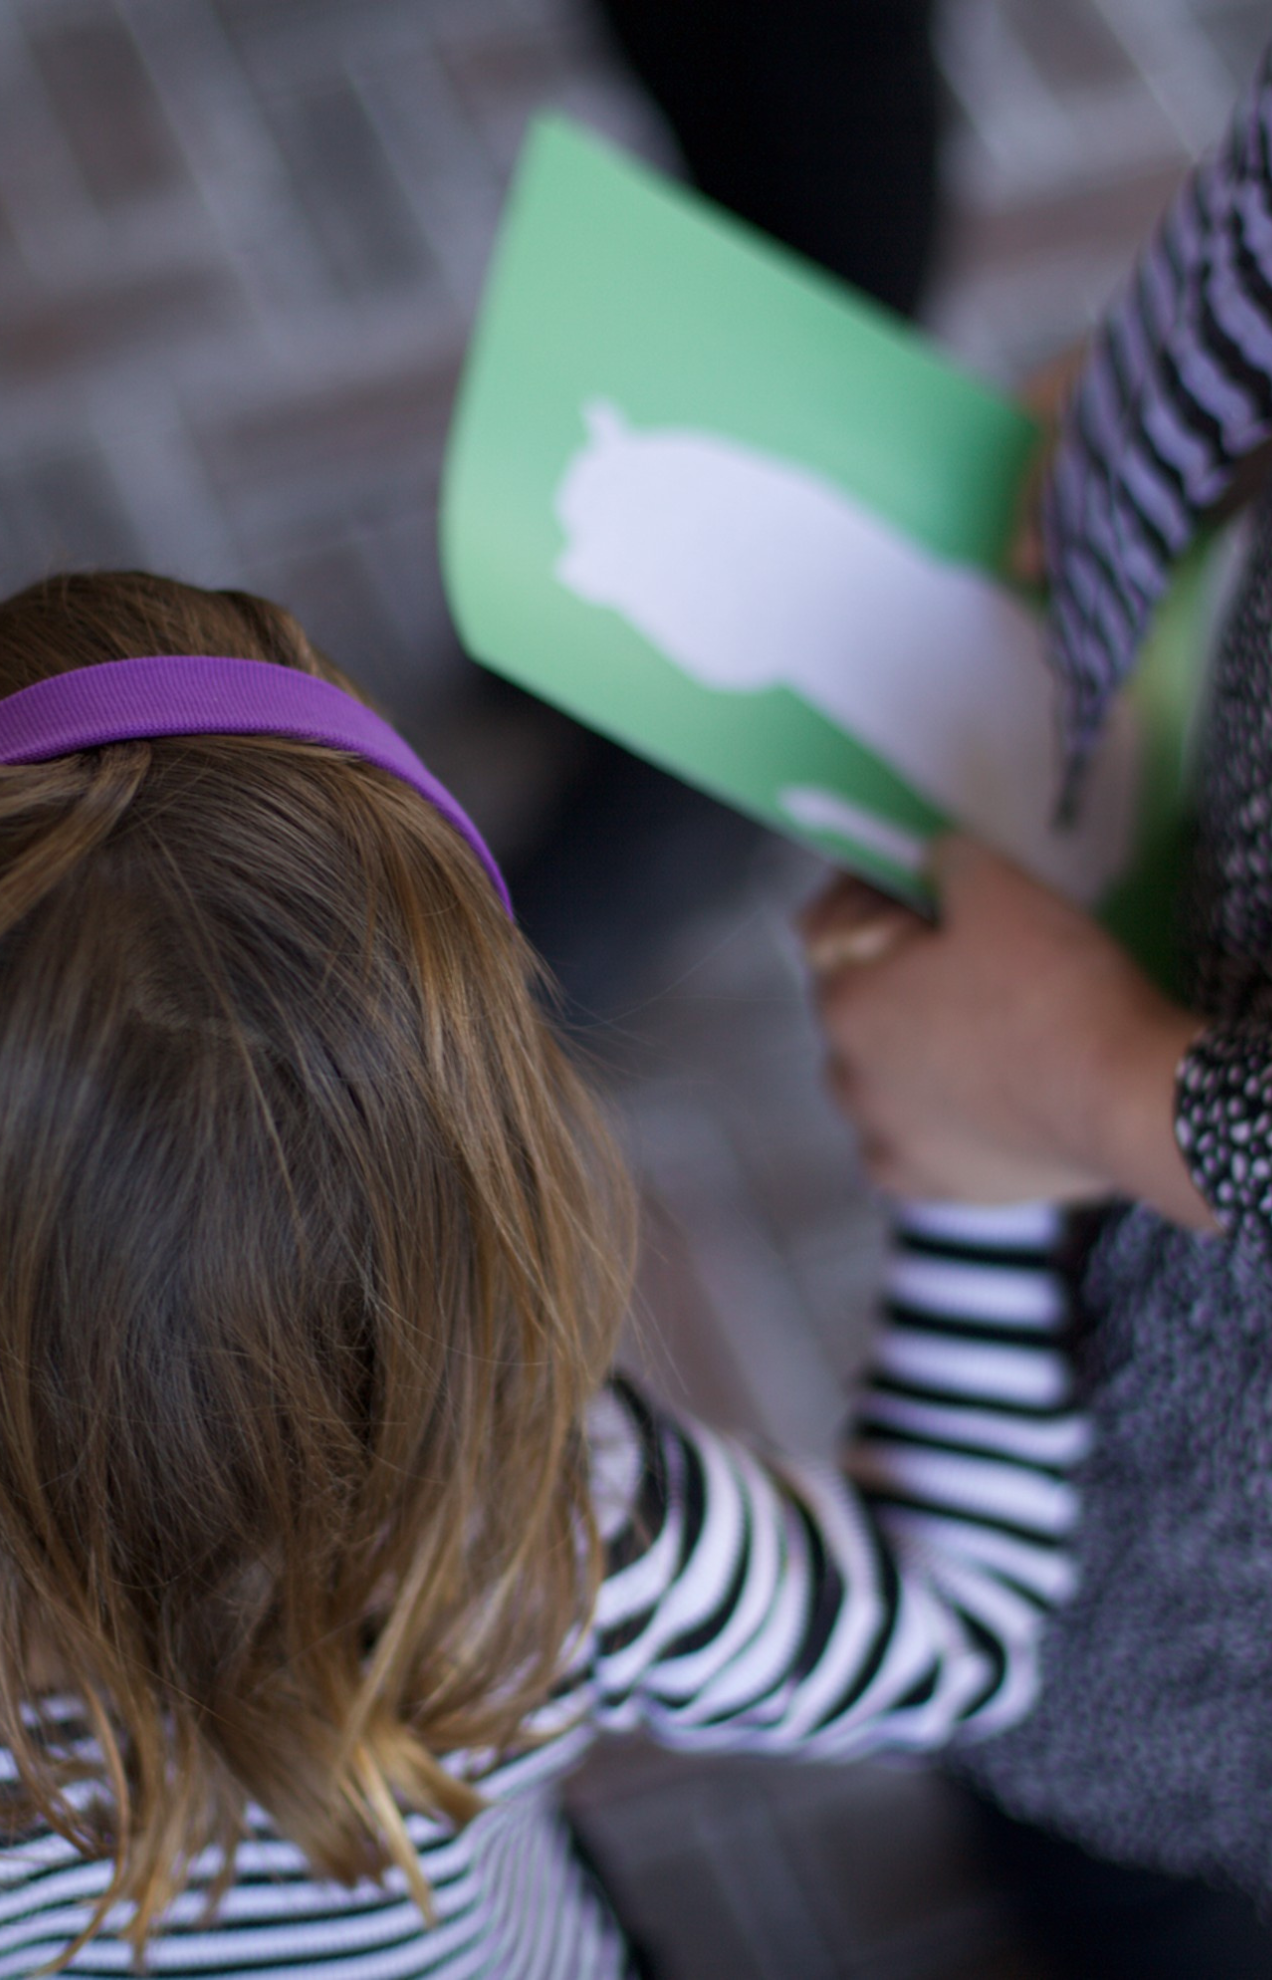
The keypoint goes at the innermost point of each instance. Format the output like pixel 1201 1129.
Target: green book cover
pixel 714 504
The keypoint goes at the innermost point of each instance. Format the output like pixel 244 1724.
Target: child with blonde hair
pixel 326 1546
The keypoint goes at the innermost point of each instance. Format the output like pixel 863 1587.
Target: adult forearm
pixel 1133 1109
pixel 1012 1052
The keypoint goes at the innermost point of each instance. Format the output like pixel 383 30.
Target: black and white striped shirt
pixel 749 1604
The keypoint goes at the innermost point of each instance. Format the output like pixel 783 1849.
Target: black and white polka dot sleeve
pixel 1223 1118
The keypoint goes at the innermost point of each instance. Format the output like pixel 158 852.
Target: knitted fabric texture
pixel 1152 1739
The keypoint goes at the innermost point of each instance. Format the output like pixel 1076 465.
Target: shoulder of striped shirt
pixel 953 1421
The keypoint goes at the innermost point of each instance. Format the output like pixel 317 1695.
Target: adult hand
pixel 1013 1051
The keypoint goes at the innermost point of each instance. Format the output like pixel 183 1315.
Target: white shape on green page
pixel 748 571
pixel 828 811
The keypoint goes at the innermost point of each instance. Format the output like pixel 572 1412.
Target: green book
pixel 741 519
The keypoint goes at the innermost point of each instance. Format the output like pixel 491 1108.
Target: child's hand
pixel 1012 1052
pixel 1045 395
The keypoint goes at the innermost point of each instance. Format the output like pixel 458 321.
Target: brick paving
pixel 240 243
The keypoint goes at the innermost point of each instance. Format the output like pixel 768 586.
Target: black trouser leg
pixel 1089 1919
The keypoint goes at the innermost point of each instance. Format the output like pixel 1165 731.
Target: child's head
pixel 311 1253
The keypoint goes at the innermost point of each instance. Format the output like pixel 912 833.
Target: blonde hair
pixel 312 1251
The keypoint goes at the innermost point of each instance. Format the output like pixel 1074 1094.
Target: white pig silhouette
pixel 752 572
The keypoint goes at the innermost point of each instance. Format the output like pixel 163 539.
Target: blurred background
pixel 241 244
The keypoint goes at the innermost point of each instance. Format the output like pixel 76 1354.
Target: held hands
pixel 1011 1052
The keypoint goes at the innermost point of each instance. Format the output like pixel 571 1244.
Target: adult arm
pixel 1015 1051
pixel 1170 421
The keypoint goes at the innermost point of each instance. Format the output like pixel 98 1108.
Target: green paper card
pixel 742 520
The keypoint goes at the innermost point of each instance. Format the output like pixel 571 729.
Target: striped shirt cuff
pixel 965 1428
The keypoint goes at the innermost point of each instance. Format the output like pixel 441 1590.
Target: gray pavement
pixel 240 243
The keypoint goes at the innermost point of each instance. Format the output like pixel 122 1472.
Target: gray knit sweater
pixel 1152 1739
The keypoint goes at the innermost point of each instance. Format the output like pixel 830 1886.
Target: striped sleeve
pixel 1176 390
pixel 790 1608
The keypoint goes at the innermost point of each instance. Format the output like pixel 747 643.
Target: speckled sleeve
pixel 1223 1117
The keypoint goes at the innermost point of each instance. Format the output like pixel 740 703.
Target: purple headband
pixel 194 695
